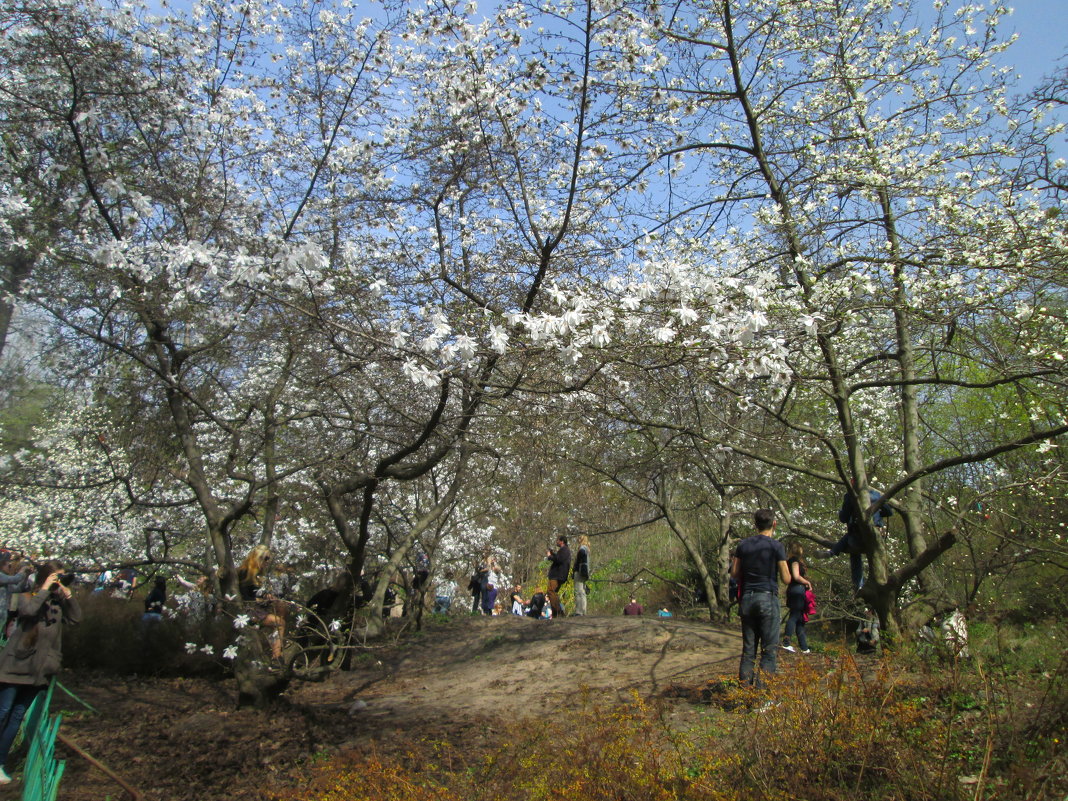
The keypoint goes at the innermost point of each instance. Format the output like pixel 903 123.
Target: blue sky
pixel 1043 29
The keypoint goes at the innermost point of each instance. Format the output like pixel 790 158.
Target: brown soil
pixel 175 739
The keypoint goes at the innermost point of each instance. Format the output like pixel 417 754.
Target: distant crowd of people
pixel 487 579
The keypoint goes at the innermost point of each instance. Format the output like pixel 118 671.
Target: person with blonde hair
pixel 264 608
pixel 581 574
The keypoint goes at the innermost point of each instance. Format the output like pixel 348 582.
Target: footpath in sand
pixel 176 739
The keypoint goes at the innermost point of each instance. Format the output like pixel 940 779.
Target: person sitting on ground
pixel 518 604
pixel 537 604
pixel 263 607
pixel 868 633
pixel 444 592
pixel 155 601
pixel 633 608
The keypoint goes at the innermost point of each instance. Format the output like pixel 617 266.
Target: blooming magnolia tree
pixel 867 153
pixel 315 255
pixel 77 494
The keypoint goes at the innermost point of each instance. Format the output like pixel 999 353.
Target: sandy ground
pixel 175 739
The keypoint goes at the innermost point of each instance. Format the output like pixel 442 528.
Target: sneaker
pixel 807 651
pixel 789 648
pixel 4 778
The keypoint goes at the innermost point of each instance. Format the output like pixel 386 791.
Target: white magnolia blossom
pixel 665 334
pixel 498 338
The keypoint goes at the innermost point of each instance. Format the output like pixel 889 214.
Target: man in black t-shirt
pixel 759 564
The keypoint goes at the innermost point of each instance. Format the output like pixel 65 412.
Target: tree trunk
pixel 16 269
pixel 693 550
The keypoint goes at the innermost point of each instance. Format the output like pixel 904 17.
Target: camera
pixel 66 579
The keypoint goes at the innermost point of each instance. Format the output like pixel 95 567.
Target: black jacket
pixel 561 564
pixel 581 570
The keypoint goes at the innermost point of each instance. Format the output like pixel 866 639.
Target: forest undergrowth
pixel 909 727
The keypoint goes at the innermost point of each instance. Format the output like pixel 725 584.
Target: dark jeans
pixel 795 622
pixel 850 544
pixel 760 624
pixel 15 699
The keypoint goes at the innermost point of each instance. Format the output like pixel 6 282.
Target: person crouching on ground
pixel 33 654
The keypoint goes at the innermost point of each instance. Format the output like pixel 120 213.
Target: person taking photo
pixel 33 654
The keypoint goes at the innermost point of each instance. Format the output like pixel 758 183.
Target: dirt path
pixel 178 739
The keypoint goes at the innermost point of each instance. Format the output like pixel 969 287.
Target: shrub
pixel 112 637
pixel 841 730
